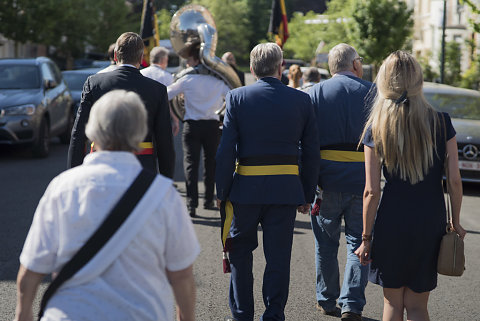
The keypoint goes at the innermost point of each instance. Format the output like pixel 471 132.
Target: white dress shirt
pixel 111 67
pixel 203 94
pixel 135 285
pixel 156 72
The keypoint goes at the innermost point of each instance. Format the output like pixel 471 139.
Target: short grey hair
pixel 157 54
pixel 265 59
pixel 340 58
pixel 118 121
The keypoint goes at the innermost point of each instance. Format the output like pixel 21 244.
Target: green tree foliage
pixel 259 18
pixel 453 56
pixel 233 27
pixel 475 9
pixel 67 25
pixel 304 36
pixel 19 19
pixel 379 27
pixel 164 17
pixel 429 74
pixel 471 77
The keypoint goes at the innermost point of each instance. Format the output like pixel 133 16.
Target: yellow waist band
pixel 342 156
pixel 267 170
pixel 141 145
pixel 145 145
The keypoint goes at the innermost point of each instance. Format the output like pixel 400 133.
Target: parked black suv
pixel 35 104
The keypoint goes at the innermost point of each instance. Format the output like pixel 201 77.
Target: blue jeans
pixel 326 228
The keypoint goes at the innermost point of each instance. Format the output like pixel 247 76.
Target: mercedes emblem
pixel 470 152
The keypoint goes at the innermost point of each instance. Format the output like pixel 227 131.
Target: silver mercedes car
pixel 463 105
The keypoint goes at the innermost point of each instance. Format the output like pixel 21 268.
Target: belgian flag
pixel 149 29
pixel 278 22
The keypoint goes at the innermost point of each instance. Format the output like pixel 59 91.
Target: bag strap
pixel 107 229
pixel 445 165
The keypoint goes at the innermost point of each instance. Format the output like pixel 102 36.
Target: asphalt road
pixel 23 181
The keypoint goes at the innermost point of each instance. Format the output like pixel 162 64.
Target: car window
pixel 47 73
pixel 75 81
pixel 56 72
pixel 19 77
pixel 457 105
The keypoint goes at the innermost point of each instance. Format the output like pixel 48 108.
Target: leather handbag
pixel 451 257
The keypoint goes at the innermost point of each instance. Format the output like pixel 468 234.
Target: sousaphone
pixel 193 26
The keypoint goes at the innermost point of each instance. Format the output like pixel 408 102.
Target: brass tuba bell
pixel 193 26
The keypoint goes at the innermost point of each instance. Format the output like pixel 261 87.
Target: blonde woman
pixel 294 76
pixel 405 136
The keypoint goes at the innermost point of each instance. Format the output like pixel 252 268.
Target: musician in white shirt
pixel 204 94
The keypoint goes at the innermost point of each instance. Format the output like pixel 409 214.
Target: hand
pixel 175 126
pixel 219 202
pixel 363 253
pixel 460 230
pixel 304 209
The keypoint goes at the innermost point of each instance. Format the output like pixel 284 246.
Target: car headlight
pixel 28 109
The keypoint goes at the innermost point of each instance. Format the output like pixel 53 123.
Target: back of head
pixel 158 54
pixel 117 121
pixel 403 123
pixel 341 57
pixel 229 58
pixel 294 73
pixel 129 48
pixel 312 75
pixel 265 59
pixel 111 52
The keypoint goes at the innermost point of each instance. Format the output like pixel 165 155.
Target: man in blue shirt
pixel 340 104
pixel 264 126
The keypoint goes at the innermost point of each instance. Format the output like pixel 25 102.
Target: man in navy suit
pixel 267 166
pixel 341 107
pixel 158 154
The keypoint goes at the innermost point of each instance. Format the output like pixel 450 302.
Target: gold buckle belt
pixel 267 170
pixel 342 156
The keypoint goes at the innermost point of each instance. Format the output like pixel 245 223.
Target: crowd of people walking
pixel 120 244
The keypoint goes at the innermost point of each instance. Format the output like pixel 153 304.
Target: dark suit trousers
pixel 198 134
pixel 277 223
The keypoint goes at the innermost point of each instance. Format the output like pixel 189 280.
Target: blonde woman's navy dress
pixel 410 223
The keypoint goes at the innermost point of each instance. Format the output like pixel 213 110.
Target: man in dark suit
pixel 340 104
pixel 158 153
pixel 265 124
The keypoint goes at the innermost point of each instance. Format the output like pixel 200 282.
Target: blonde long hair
pixel 402 120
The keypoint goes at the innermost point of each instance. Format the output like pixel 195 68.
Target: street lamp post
pixel 442 62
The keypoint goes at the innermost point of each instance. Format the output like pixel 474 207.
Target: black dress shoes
pixel 210 206
pixel 192 211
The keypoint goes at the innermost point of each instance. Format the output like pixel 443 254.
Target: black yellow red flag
pixel 149 29
pixel 278 22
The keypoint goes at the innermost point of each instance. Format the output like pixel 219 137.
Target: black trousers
pixel 199 134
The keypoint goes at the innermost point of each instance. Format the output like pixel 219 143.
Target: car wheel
pixel 65 136
pixel 41 148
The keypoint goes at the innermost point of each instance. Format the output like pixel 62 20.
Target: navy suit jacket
pixel 341 106
pixel 268 118
pixel 153 95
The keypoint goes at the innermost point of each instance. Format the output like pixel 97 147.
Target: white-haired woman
pixel 137 284
pixel 406 137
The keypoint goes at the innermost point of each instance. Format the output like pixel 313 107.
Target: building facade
pixel 427 36
pixel 27 50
